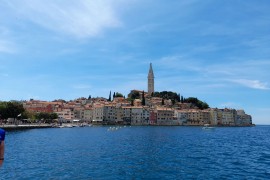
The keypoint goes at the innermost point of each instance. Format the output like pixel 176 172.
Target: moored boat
pixel 207 126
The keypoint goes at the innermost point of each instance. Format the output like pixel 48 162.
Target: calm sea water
pixel 138 153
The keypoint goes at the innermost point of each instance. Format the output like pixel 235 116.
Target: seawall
pixel 22 126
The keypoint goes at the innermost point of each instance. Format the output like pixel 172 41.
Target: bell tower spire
pixel 151 80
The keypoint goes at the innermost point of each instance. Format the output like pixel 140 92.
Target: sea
pixel 138 152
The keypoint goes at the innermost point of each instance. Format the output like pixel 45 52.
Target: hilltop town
pixel 139 108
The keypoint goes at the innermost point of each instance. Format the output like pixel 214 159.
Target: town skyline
pixel 139 108
pixel 215 51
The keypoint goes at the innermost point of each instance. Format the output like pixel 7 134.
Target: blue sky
pixel 217 51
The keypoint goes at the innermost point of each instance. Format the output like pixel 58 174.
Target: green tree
pixel 29 115
pixel 196 102
pixel 110 96
pixel 135 95
pixel 118 95
pixel 168 95
pixel 162 102
pixel 178 98
pixel 46 117
pixel 143 99
pixel 11 109
pixel 53 116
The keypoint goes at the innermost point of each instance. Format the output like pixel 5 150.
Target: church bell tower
pixel 151 80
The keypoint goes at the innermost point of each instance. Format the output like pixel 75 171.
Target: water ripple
pixel 138 153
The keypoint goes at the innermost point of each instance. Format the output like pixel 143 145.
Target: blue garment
pixel 2 135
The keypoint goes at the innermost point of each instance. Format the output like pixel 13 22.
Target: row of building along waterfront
pixel 120 111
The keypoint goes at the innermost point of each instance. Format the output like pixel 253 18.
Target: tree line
pixel 16 110
pixel 173 96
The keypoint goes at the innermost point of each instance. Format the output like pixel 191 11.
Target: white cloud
pixel 179 62
pixel 255 84
pixel 79 18
pixel 217 74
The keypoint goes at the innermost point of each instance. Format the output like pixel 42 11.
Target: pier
pixel 24 126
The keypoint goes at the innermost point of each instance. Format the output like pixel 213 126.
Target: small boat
pixel 65 126
pixel 207 126
pixel 113 129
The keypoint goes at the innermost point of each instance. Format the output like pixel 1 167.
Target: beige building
pixel 66 114
pixel 98 114
pixel 198 117
pixel 139 116
pixel 165 116
pixel 228 116
pixel 88 115
pixel 127 114
pixel 213 116
pixel 153 101
pixel 119 115
pixel 109 113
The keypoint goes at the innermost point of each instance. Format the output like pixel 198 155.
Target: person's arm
pixel 2 146
pixel 2 149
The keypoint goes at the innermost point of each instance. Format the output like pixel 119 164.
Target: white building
pixel 181 116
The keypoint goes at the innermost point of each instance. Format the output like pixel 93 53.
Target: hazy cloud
pixel 234 71
pixel 255 84
pixel 79 18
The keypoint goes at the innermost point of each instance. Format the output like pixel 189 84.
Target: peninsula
pixel 139 108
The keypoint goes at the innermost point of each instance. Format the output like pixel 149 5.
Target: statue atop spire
pixel 151 80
